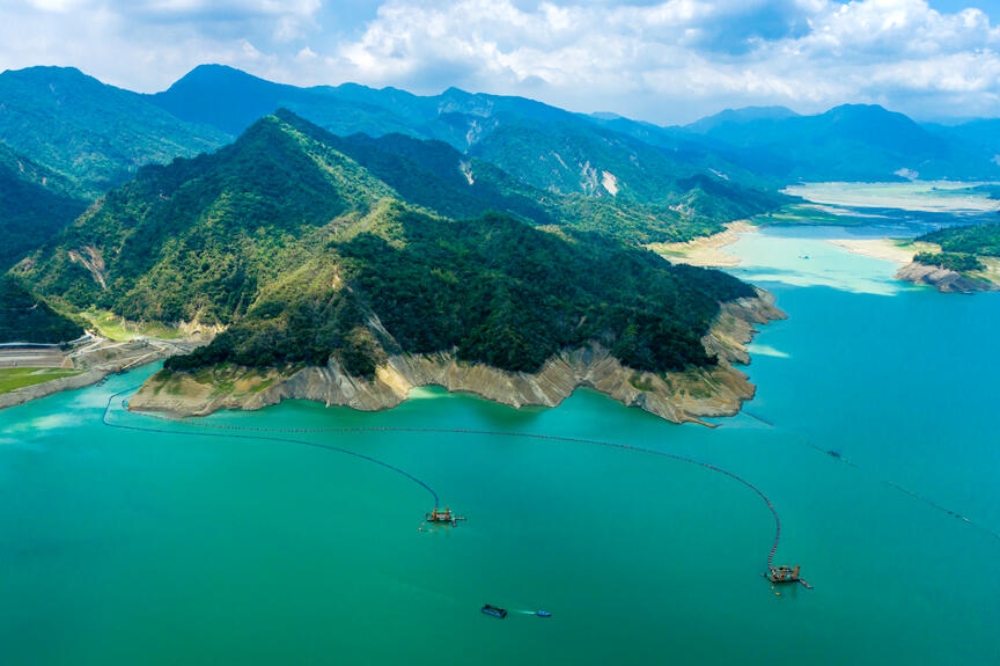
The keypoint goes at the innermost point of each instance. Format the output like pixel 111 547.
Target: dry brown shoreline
pixel 679 397
pixel 706 251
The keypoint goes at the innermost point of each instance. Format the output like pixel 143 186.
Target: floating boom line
pixel 328 447
pixel 460 431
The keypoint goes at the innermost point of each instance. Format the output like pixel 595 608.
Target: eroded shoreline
pixel 680 397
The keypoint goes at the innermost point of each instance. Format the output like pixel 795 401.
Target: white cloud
pixel 692 54
pixel 663 61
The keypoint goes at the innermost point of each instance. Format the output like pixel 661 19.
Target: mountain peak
pixel 225 97
pixel 218 74
pixel 56 79
pixel 742 116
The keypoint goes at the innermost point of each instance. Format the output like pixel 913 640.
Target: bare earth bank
pixel 678 397
pixel 705 251
pixel 944 280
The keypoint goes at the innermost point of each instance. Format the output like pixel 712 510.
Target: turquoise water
pixel 209 546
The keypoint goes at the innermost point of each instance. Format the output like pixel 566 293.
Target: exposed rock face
pixel 945 280
pixel 678 397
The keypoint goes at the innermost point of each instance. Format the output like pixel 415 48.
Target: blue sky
pixel 664 61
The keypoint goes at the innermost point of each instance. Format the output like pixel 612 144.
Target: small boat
pixel 541 613
pixel 495 611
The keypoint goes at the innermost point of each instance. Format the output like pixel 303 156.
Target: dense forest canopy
pixel 981 239
pixel 492 288
pixel 24 318
pixel 35 203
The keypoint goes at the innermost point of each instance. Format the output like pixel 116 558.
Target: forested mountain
pixel 35 203
pixel 754 146
pixel 979 240
pixel 304 252
pixel 94 134
pixel 24 318
pixel 524 157
pixel 651 190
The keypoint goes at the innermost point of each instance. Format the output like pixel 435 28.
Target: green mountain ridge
pixel 94 134
pixel 305 254
pixel 513 133
pixel 25 318
pixel 764 146
pixel 35 203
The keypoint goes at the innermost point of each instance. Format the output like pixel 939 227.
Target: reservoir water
pixel 232 539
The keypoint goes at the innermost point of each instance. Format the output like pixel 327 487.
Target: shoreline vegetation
pixel 686 396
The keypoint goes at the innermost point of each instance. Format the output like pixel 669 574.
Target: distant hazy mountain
pixel 35 203
pixel 307 254
pixel 544 147
pixel 231 100
pixel 850 142
pixel 985 133
pixel 735 117
pixel 94 134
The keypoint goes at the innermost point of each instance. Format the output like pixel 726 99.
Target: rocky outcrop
pixel 678 397
pixel 944 280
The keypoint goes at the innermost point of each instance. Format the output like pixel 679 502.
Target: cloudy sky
pixel 663 61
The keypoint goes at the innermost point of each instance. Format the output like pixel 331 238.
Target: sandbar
pixel 706 251
pixel 885 249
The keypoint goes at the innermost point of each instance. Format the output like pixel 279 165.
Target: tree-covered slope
pixel 434 175
pixel 492 288
pixel 193 239
pixel 438 177
pixel 95 134
pixel 684 199
pixel 305 253
pixel 35 203
pixel 26 318
pixel 980 240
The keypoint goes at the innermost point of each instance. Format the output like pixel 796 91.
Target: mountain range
pixel 358 223
pixel 304 254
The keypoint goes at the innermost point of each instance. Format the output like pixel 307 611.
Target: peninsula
pixel 325 282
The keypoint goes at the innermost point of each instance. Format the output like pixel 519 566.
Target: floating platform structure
pixel 442 516
pixel 494 611
pixel 785 574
